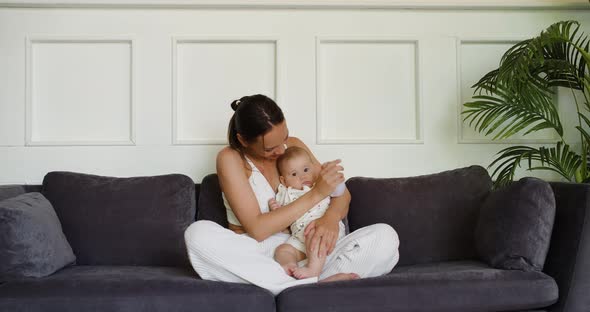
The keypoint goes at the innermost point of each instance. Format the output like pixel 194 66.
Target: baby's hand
pixel 273 205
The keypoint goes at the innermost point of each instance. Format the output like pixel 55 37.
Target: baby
pixel 297 175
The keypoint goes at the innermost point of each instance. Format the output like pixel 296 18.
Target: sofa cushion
pixel 9 191
pixel 434 215
pixel 450 286
pixel 515 225
pixel 32 243
pixel 210 206
pixel 131 288
pixel 123 221
pixel 13 190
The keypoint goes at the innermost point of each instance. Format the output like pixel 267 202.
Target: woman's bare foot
pixel 340 277
pixel 289 268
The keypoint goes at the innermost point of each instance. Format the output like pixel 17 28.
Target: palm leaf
pixel 518 97
pixel 584 171
pixel 559 159
pixel 523 81
pixel 555 57
pixel 506 113
pixel 508 160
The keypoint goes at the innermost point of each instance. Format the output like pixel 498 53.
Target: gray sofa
pixel 131 255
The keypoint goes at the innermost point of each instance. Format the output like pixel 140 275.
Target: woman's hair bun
pixel 234 105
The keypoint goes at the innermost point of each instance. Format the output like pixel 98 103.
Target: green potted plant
pixel 517 97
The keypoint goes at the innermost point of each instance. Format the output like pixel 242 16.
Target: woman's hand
pixel 322 234
pixel 329 177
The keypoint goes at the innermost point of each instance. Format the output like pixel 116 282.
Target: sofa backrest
pixel 210 204
pixel 123 221
pixel 434 215
pixel 568 259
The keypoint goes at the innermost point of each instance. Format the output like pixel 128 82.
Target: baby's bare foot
pixel 289 268
pixel 305 272
pixel 341 277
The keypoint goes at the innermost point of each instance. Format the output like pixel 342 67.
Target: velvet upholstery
pixel 123 221
pixel 434 215
pixel 32 243
pixel 9 191
pixel 210 201
pixel 568 261
pixel 12 190
pixel 515 224
pixel 446 286
pixel 131 289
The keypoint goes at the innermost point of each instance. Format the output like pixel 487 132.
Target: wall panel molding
pixel 31 42
pixel 321 110
pixel 168 79
pixel 179 40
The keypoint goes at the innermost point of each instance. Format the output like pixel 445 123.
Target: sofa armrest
pixel 568 261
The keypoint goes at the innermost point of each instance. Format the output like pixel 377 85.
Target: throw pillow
pixel 515 224
pixel 32 243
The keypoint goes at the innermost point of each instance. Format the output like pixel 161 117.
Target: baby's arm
pixel 274 205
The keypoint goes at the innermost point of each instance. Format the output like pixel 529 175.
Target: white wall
pixel 143 87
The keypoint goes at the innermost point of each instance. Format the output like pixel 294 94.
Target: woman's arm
pixel 274 205
pixel 338 205
pixel 324 231
pixel 233 180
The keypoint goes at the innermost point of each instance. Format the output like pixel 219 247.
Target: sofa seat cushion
pixel 446 286
pixel 130 288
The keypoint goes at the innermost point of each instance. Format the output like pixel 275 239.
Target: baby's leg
pixel 314 266
pixel 287 256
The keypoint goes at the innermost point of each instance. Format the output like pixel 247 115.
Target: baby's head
pixel 296 168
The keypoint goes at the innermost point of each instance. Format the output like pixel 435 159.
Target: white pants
pixel 219 254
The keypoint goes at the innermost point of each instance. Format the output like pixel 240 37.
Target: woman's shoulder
pixel 228 156
pixel 228 152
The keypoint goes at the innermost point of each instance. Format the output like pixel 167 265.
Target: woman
pixel 248 178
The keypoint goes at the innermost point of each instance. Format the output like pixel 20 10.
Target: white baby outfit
pixel 287 195
pixel 219 254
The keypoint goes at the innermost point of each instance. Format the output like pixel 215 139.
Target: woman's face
pixel 272 144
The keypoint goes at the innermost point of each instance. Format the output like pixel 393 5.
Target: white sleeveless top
pixel 262 189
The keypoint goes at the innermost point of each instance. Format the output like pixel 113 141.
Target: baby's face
pixel 297 172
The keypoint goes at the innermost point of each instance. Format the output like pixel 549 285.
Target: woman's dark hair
pixel 254 115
